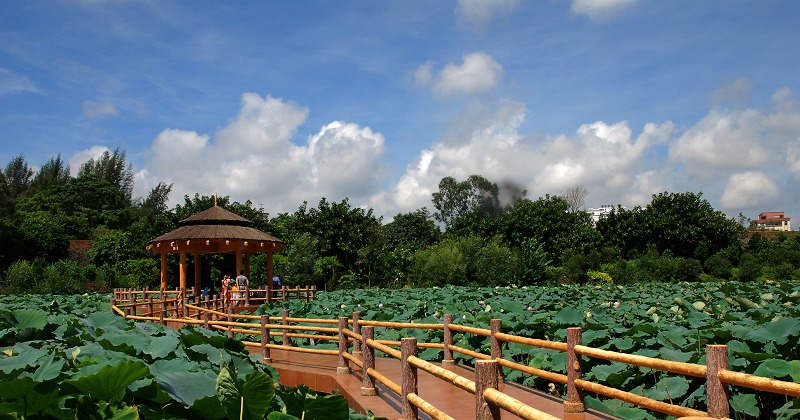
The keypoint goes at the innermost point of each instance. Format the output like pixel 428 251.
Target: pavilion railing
pixel 279 332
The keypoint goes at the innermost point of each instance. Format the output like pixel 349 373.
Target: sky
pixel 280 102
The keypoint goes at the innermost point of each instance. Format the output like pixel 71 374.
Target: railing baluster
pixel 368 383
pixel 267 358
pixel 448 341
pixel 358 346
pixel 284 321
pixel 408 347
pixel 717 393
pixel 343 365
pixel 486 376
pixel 574 403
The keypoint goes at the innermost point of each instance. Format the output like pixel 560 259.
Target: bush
pixel 599 277
pixel 62 277
pixel 20 277
pixel 688 269
pixel 749 268
pixel 439 265
pixel 718 266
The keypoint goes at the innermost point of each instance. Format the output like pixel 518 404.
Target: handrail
pixel 718 377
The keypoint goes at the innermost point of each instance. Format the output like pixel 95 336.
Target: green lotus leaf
pixel 161 347
pixel 110 382
pixel 669 389
pixel 744 404
pixel 245 399
pixel 571 317
pixel 22 360
pixel 208 408
pixel 29 318
pixel 16 388
pixel 124 342
pixel 277 415
pixel 186 387
pixel 104 321
pixel 49 368
pixel 777 331
pixel 779 369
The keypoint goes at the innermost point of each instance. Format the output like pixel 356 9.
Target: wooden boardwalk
pixel 319 373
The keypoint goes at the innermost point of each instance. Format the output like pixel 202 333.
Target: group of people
pixel 233 289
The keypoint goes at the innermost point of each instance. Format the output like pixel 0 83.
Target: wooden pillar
pixel 574 402
pixel 182 266
pixel 343 366
pixel 266 357
pixel 270 273
pixel 368 383
pixel 163 270
pixel 197 266
pixel 486 377
pixel 357 345
pixel 497 351
pixel 717 393
pixel 238 263
pixel 285 321
pixel 408 347
pixel 448 341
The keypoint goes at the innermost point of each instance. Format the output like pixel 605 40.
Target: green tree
pixel 112 167
pixel 413 230
pixel 684 224
pixel 548 222
pixel 439 265
pixel 301 254
pixel 18 176
pixel 53 172
pixel 455 200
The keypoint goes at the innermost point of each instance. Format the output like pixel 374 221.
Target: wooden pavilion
pixel 214 231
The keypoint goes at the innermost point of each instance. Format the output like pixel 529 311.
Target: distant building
pixel 772 220
pixel 600 212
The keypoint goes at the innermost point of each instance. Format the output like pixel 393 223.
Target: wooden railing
pixel 488 367
pixel 150 302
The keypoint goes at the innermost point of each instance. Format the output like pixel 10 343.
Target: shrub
pixel 718 266
pixel 19 277
pixel 599 277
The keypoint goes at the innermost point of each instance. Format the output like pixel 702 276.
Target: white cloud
pixel 749 189
pixel 478 72
pixel 94 110
pixel 605 158
pixel 599 9
pixel 11 82
pixel 83 156
pixel 254 157
pixel 481 12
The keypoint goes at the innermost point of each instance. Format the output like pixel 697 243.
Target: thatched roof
pixel 216 223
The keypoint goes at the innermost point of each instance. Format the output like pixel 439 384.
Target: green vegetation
pixel 68 357
pixel 760 322
pixel 493 235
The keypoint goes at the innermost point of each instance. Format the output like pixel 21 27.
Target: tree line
pixel 478 233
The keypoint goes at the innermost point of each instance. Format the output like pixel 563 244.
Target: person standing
pixel 226 289
pixel 242 282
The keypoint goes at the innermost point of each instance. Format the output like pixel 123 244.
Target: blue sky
pixel 285 101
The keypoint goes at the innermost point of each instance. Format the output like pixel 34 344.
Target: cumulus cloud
pixel 83 156
pixel 254 157
pixel 599 9
pixel 606 158
pixel 11 82
pixel 478 72
pixel 749 189
pixel 481 12
pixel 94 110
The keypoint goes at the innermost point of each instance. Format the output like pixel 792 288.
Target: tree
pixel 112 167
pixel 455 199
pixel 684 224
pixel 548 222
pixel 18 176
pixel 576 197
pixel 412 230
pixel 53 172
pixel 156 201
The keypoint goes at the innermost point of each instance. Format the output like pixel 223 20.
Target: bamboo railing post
pixel 343 365
pixel 267 358
pixel 206 320
pixel 283 293
pixel 308 293
pixel 448 341
pixel 150 308
pixel 497 350
pixel 247 294
pixel 134 303
pixel 358 346
pixel 313 291
pixel 408 347
pixel 284 321
pixel 163 297
pixel 368 383
pixel 113 302
pixel 574 402
pixel 230 319
pixel 486 377
pixel 268 296
pixel 161 314
pixel 185 303
pixel 717 393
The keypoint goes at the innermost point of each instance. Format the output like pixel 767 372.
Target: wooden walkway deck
pixel 319 373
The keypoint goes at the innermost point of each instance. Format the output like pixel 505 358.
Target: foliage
pixel 69 357
pixel 113 168
pixel 760 323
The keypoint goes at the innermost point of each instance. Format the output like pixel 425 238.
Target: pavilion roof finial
pixel 215 199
